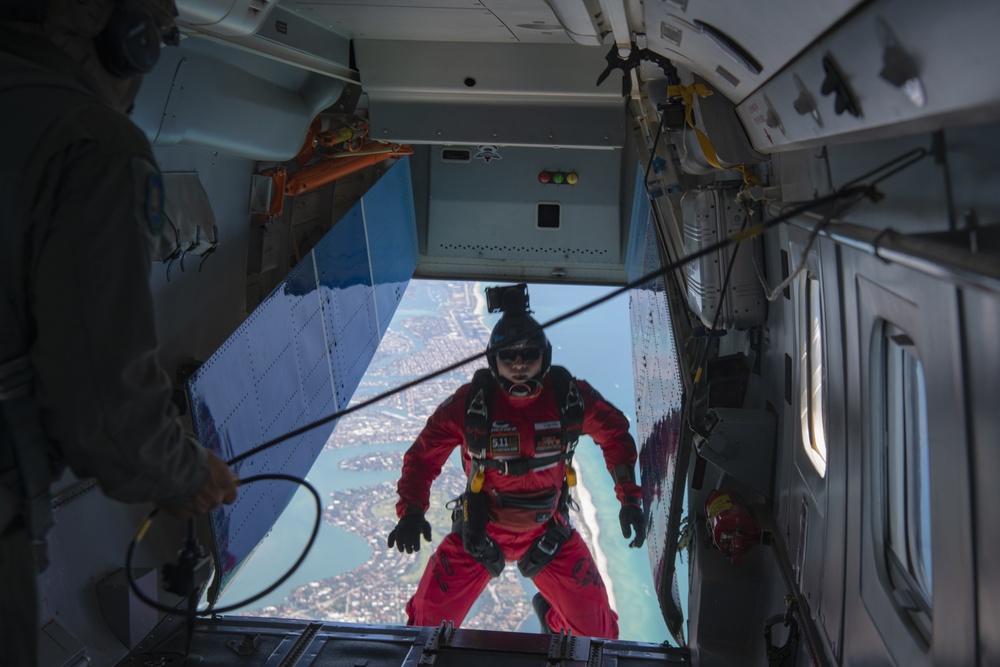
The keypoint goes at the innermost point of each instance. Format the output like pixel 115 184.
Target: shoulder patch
pixel 148 196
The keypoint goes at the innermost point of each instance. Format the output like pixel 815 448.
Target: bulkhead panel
pixel 488 204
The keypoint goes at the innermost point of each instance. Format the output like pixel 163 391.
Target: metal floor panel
pixel 252 642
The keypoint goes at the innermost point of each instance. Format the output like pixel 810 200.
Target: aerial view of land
pixel 448 327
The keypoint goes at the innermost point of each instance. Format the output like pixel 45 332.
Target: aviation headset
pixel 127 43
pixel 130 42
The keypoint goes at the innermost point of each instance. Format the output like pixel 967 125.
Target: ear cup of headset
pixel 130 43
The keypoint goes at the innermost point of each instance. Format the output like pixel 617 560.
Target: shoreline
pixel 480 296
pixel 591 530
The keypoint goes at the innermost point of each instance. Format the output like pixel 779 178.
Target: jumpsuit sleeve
pixel 608 427
pixel 105 399
pixel 444 430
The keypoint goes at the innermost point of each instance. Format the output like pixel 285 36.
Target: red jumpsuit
pixel 521 427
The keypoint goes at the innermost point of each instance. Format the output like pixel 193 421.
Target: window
pixel 813 374
pixel 906 478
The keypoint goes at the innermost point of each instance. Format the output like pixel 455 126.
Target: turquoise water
pixel 336 551
pixel 596 347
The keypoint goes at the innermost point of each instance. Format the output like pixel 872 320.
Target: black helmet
pixel 516 330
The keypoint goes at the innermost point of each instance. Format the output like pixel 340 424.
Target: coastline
pixel 591 531
pixel 480 296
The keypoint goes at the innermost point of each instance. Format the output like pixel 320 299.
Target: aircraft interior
pixel 800 200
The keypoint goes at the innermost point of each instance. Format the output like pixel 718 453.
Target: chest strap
pixel 478 421
pixel 518 467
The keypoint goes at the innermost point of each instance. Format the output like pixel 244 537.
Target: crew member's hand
pixel 219 487
pixel 630 518
pixel 406 534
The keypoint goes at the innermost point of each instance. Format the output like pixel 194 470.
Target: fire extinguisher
pixel 734 531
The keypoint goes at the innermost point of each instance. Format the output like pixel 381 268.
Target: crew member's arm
pixel 105 399
pixel 608 427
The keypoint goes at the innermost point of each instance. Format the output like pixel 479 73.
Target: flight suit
pixel 521 428
pixel 80 208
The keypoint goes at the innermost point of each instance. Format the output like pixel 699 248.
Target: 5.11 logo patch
pixel 504 439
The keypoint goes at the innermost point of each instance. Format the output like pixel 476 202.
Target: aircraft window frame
pixel 813 381
pixel 903 442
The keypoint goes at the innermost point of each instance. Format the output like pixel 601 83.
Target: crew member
pixel 517 424
pixel 82 206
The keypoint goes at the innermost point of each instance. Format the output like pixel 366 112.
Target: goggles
pixel 526 354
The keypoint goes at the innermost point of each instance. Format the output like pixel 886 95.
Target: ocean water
pixel 594 346
pixel 336 551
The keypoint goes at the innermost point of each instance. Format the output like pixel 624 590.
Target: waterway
pixel 336 550
pixel 596 347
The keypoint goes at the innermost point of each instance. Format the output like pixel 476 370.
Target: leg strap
pixel 544 549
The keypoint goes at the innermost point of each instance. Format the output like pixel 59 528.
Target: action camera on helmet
pixel 507 299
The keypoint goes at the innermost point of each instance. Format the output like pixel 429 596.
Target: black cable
pixel 904 161
pixel 739 237
pixel 233 607
pixel 652 153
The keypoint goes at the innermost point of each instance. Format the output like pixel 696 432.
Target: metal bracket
pixel 564 648
pixel 247 646
pixel 441 637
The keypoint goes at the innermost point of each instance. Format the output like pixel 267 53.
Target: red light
pixel 544 177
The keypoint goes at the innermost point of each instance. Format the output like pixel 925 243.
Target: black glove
pixel 406 534
pixel 631 519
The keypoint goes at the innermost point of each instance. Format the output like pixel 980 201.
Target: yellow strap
pixel 687 93
pixel 476 485
pixel 143 528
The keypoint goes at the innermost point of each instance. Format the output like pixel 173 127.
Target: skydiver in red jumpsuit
pixel 523 473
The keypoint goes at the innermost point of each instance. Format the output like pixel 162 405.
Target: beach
pixel 590 529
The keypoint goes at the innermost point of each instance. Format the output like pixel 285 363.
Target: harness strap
pixel 478 423
pixel 518 467
pixel 570 408
pixel 544 549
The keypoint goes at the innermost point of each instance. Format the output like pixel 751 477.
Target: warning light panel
pixel 558 177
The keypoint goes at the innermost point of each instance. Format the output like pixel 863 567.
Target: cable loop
pixel 148 520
